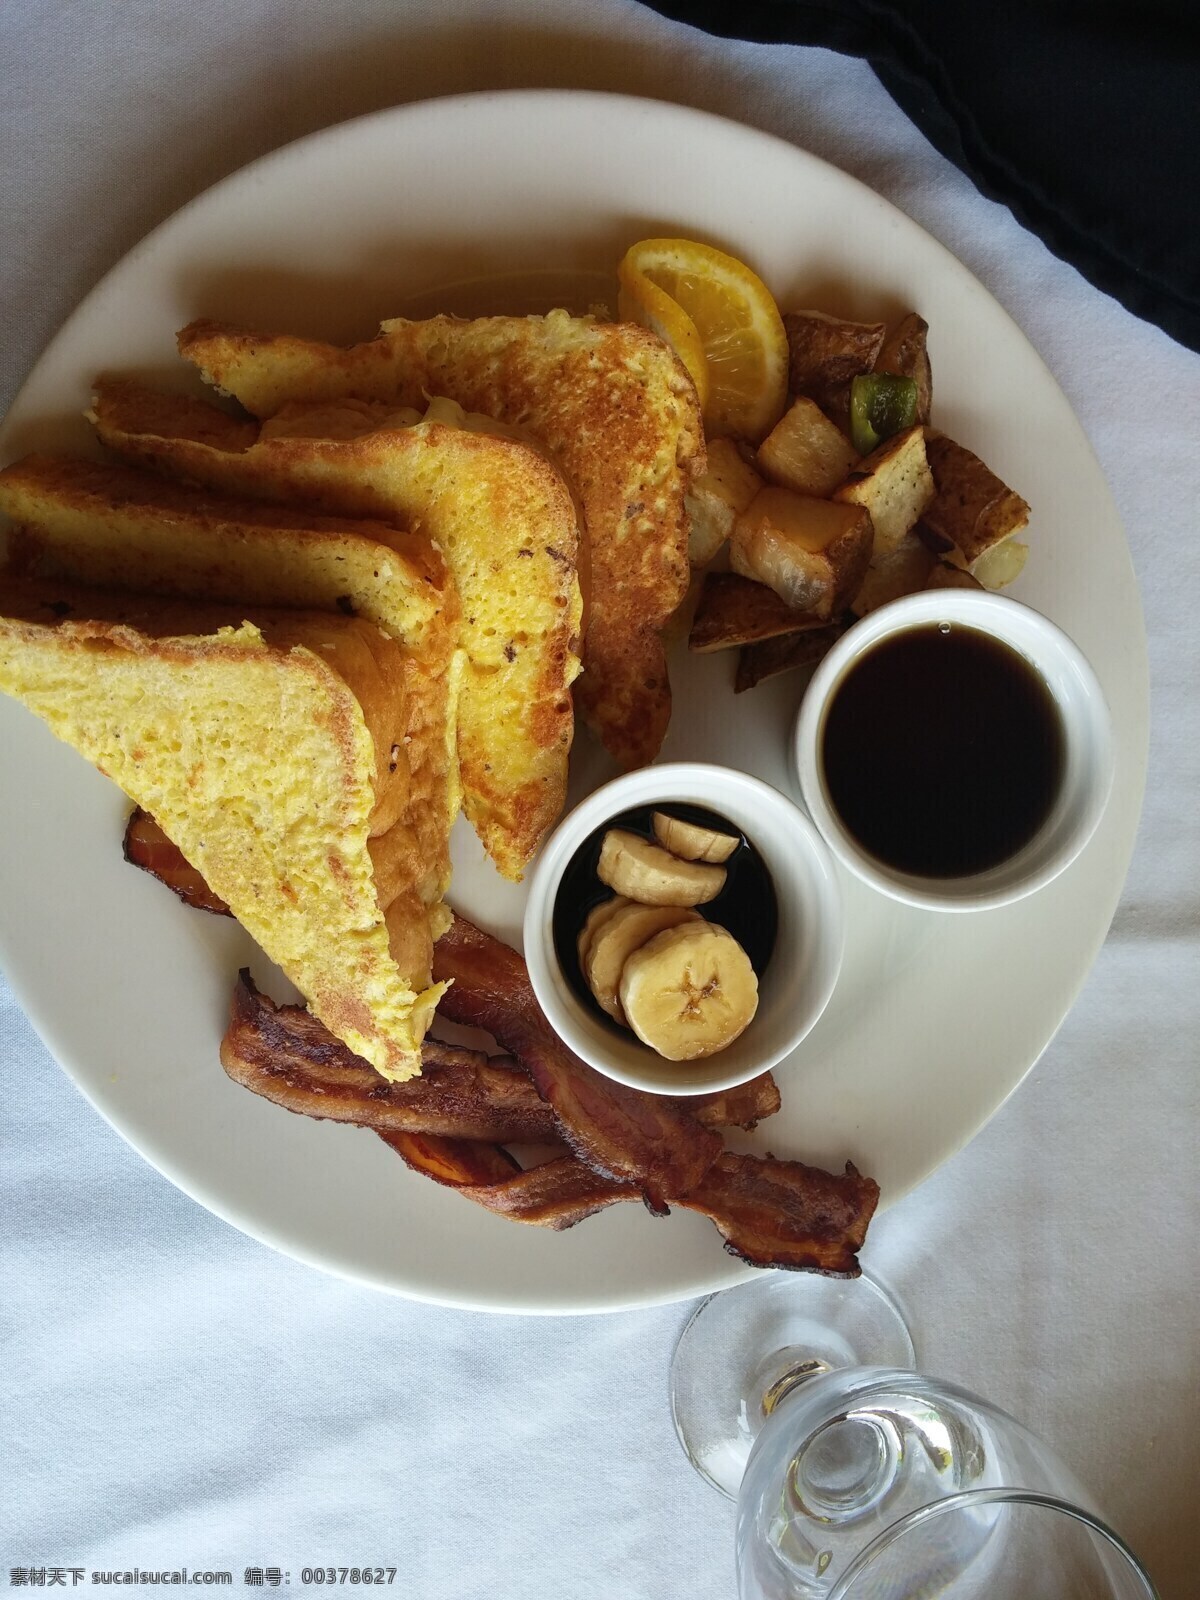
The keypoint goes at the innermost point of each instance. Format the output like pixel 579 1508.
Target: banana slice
pixel 689 991
pixel 596 918
pixel 615 941
pixel 691 842
pixel 645 872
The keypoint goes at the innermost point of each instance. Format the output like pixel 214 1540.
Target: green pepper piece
pixel 881 404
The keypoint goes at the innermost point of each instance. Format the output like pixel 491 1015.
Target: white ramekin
pixel 802 971
pixel 1087 729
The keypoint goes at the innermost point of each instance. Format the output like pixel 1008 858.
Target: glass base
pixel 744 1349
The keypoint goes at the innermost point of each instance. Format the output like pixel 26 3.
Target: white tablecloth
pixel 174 1394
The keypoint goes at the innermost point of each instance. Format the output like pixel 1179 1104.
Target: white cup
pixel 1087 731
pixel 804 964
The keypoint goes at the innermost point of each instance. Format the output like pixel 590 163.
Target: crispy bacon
pixel 458 1163
pixel 770 1213
pixel 286 1055
pixel 622 1133
pixel 557 1194
pixel 785 1214
pixel 148 847
pixel 450 1124
pixel 743 1106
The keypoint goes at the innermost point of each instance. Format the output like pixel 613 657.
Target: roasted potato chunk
pixel 813 553
pixel 727 487
pixel 805 451
pixel 826 352
pixel 903 570
pixel 770 657
pixel 893 483
pixel 734 610
pixel 972 513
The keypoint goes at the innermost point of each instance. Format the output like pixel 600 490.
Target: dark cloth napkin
pixel 1081 116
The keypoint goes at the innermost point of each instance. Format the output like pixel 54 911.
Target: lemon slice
pixel 723 324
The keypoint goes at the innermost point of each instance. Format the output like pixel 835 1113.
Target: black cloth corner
pixel 1081 116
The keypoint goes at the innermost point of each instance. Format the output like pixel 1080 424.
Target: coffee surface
pixel 943 751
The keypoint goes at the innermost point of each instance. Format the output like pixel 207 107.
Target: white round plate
pixel 518 202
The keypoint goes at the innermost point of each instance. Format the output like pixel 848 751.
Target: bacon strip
pixel 458 1163
pixel 743 1106
pixel 557 1194
pixel 286 1055
pixel 770 1213
pixel 148 847
pixel 785 1214
pixel 619 1132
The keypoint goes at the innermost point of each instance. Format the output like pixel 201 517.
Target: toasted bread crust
pixel 613 404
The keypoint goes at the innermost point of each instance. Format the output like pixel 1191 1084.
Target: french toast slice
pixel 498 512
pixel 612 403
pixel 281 751
pixel 111 526
pixel 108 523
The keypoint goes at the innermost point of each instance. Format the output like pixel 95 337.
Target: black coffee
pixel 944 751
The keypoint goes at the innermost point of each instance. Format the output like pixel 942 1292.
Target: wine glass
pixel 743 1350
pixel 875 1482
pixel 1040 1548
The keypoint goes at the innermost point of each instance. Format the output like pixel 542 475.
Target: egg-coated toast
pixel 273 749
pixel 497 511
pixel 613 404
